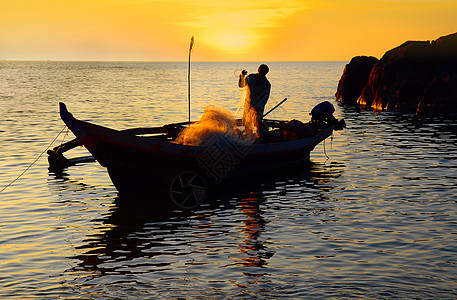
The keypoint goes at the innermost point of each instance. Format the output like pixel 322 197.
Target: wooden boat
pixel 144 160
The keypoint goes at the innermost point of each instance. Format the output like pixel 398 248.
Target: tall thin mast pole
pixel 188 74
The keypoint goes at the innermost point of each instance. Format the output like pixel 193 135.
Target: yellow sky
pixel 228 30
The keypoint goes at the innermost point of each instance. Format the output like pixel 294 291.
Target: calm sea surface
pixel 377 219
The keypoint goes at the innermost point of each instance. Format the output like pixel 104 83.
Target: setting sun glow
pixel 233 42
pixel 267 30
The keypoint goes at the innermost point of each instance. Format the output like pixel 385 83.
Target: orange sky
pixel 230 30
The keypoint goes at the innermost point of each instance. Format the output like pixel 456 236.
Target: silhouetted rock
pixel 416 77
pixel 354 79
pixel 408 62
pixel 440 97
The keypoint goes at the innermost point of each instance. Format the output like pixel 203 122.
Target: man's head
pixel 263 69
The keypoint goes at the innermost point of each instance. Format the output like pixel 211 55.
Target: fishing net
pixel 214 122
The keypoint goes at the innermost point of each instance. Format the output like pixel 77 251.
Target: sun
pixel 233 42
pixel 228 32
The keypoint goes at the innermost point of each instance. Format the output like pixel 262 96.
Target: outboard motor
pixel 323 113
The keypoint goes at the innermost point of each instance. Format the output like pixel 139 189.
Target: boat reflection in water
pixel 139 247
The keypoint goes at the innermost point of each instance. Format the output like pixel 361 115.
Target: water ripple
pixel 376 219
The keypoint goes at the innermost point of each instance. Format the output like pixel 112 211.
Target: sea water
pixel 373 216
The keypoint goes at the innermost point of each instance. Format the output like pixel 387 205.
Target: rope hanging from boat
pixel 66 134
pixel 325 152
pixel 26 169
pixel 331 146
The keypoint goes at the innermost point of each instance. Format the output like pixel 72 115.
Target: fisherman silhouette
pixel 257 94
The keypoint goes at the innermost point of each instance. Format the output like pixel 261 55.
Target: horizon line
pixel 177 61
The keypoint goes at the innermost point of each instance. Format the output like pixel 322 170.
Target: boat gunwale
pixel 127 138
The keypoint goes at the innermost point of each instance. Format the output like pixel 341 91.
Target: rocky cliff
pixel 416 77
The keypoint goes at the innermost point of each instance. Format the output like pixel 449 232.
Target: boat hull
pixel 144 165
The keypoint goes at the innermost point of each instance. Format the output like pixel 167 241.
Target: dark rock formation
pixel 416 77
pixel 354 79
pixel 440 97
